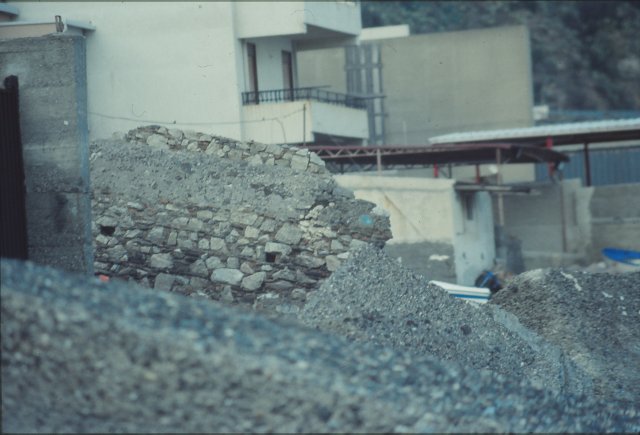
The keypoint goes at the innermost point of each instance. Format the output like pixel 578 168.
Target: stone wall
pixel 246 223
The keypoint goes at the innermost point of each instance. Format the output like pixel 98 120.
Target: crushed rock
pixel 79 355
pixel 372 298
pixel 594 317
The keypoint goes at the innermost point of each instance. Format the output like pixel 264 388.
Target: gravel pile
pixel 372 298
pixel 593 317
pixel 79 355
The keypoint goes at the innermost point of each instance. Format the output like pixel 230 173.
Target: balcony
pixel 299 115
pixel 315 93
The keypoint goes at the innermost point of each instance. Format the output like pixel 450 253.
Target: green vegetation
pixel 585 54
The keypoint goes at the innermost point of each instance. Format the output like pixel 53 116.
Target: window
pixel 287 75
pixel 253 72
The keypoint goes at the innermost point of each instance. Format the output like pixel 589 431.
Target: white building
pixel 226 68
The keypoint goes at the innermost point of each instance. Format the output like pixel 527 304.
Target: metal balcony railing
pixel 310 93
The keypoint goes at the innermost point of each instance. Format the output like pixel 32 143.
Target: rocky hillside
pixel 586 54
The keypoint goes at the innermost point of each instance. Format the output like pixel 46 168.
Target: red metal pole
pixel 550 167
pixel 435 171
pixel 478 174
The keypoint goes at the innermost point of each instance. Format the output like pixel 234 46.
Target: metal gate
pixel 13 216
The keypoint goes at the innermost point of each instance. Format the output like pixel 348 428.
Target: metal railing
pixel 309 93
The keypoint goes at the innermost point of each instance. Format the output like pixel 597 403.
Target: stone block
pixel 161 261
pixel 227 276
pixel 254 281
pixel 164 281
pixel 289 234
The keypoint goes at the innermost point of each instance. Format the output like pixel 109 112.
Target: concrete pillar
pixel 53 119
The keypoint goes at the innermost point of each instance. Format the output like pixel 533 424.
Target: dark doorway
pixel 13 216
pixel 253 72
pixel 287 75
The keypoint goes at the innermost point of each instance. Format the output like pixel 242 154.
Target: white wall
pixel 474 238
pixel 339 120
pixel 157 62
pixel 283 122
pixel 430 210
pixel 419 209
pixel 260 19
pixel 269 62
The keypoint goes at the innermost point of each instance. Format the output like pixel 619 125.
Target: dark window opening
pixel 107 230
pixel 271 257
pixel 287 74
pixel 253 71
pixel 467 205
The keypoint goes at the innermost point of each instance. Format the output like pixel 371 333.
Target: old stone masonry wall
pixel 208 216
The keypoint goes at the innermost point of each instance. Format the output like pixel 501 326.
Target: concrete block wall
pixel 615 218
pixel 53 120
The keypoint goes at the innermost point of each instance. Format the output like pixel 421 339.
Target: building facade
pixel 226 68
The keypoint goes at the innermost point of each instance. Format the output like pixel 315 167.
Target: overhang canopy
pixel 561 134
pixel 472 153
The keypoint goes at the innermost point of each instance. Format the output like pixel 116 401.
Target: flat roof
pixel 561 134
pixel 84 25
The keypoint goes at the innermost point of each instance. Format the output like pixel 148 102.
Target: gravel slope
pixel 594 317
pixel 373 298
pixel 79 355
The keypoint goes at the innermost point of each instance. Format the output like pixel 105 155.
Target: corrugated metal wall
pixel 608 166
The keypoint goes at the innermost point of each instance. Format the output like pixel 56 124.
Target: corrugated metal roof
pixel 574 128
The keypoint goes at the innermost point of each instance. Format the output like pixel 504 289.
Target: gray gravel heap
pixel 595 318
pixel 373 298
pixel 79 355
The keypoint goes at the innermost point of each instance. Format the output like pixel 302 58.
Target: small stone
pixel 226 275
pixel 277 248
pixel 233 263
pixel 213 263
pixel 117 253
pixel 243 218
pixel 298 294
pixel 251 232
pixel 299 163
pixel 172 239
pixel 175 133
pixel 254 281
pixel 246 268
pixel 135 206
pixel 337 246
pixel 156 235
pixel 161 261
pixel 203 244
pixel 164 281
pixel 204 214
pixel 193 147
pixel 199 267
pixel 268 225
pixel 309 261
pixel 158 141
pixel 227 294
pixel 289 234
pixel 333 263
pixel 285 273
pixel 247 252
pixel 195 224
pixel 254 160
pixel 216 244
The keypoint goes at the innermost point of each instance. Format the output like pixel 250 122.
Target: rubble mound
pixel 594 317
pixel 79 355
pixel 205 216
pixel 375 299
